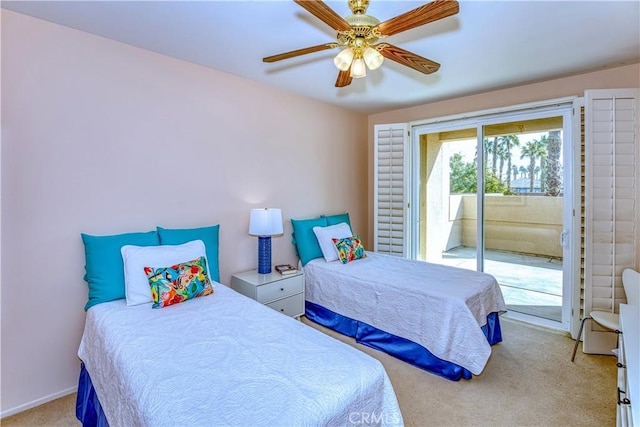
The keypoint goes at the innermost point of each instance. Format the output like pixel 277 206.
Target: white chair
pixel 631 285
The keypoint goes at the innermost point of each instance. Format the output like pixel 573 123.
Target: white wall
pixel 103 138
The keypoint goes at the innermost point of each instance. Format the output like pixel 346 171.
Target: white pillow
pixel 136 258
pixel 324 236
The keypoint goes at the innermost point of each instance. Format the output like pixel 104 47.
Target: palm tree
pixel 502 156
pixel 514 170
pixel 508 141
pixel 494 155
pixel 543 164
pixel 552 178
pixel 523 171
pixel 534 150
pixel 491 147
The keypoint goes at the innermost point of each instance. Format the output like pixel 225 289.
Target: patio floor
pixel 531 285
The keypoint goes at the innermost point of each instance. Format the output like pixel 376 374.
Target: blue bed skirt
pixel 401 348
pixel 88 409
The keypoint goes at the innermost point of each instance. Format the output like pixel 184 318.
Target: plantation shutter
pixel 583 219
pixel 611 204
pixel 390 189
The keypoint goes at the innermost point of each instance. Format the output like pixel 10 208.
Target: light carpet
pixel 529 381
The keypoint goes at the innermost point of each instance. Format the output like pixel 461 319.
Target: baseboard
pixel 38 402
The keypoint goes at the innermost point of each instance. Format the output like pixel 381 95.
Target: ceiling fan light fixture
pixel 358 69
pixel 372 58
pixel 343 60
pixel 357 36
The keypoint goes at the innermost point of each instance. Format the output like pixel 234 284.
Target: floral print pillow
pixel 349 249
pixel 178 283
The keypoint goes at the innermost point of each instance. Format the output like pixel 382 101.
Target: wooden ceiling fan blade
pixel 407 58
pixel 424 14
pixel 320 10
pixel 299 52
pixel 344 79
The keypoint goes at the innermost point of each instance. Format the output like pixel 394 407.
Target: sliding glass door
pixel 524 213
pixel 493 194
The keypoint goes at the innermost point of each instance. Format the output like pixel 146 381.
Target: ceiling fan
pixel 359 32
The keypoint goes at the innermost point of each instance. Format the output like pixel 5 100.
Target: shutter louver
pixel 611 204
pixel 583 247
pixel 390 189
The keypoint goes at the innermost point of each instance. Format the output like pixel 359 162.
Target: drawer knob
pixel 282 289
pixel 282 310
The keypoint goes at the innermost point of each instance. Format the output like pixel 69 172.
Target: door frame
pixel 558 107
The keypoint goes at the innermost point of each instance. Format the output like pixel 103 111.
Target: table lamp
pixel 264 223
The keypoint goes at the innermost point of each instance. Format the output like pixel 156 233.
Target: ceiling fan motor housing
pixel 361 34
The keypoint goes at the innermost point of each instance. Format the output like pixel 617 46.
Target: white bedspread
pixel 224 359
pixel 439 307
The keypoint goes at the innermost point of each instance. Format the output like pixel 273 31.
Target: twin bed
pixel 219 359
pixel 439 318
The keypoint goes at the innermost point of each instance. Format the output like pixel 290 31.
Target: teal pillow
pixel 337 219
pixel 305 239
pixel 103 263
pixel 209 235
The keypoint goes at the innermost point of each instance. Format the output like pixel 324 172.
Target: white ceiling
pixel 488 45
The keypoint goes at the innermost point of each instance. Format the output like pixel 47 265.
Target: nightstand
pixel 282 292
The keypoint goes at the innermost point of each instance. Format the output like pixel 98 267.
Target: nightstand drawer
pixel 292 306
pixel 280 289
pixel 283 293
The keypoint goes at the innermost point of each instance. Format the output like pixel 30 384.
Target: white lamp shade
pixel 358 68
pixel 343 60
pixel 265 222
pixel 372 58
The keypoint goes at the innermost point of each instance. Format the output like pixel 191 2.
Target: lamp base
pixel 264 254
